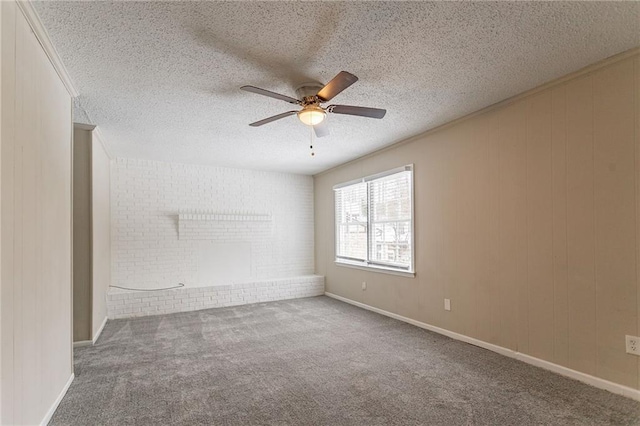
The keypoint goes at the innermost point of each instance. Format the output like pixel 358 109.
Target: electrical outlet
pixel 633 345
pixel 364 285
pixel 447 304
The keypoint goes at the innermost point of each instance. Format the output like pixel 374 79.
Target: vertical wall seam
pixel 566 213
pixel 527 280
pixel 1 79
pixel 637 194
pixel 553 238
pixel 595 221
pixel 39 237
pixel 17 159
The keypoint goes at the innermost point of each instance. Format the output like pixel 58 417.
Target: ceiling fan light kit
pixel 311 115
pixel 312 96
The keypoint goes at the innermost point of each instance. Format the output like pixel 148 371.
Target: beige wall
pixel 82 271
pixel 526 217
pixel 91 233
pixel 101 221
pixel 35 285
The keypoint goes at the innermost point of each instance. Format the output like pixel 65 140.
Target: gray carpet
pixel 314 361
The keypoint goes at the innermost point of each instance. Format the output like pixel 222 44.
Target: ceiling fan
pixel 312 95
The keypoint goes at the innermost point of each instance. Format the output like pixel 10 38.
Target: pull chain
pixel 311 141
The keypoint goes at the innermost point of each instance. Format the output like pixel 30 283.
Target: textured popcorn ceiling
pixel 162 79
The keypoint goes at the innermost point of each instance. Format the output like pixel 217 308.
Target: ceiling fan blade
pixel 356 110
pixel 274 118
pixel 321 129
pixel 270 94
pixel 337 85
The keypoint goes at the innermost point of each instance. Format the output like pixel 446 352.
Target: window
pixel 374 221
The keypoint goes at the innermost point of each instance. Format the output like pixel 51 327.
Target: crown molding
pixel 552 83
pixel 43 38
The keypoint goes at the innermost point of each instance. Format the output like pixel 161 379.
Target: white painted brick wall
pixel 126 304
pixel 227 228
pixel 148 196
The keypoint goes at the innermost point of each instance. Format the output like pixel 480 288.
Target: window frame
pixel 369 264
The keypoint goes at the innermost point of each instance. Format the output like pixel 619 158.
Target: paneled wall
pixel 527 218
pixel 35 286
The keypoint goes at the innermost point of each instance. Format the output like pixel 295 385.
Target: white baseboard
pixel 54 407
pixel 564 371
pixel 99 332
pixel 95 338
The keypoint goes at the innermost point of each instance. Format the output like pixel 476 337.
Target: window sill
pixel 376 268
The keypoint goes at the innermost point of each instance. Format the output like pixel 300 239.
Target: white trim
pixel 348 183
pixel 406 168
pixel 99 332
pixel 374 268
pixel 54 407
pixel 564 371
pixel 82 343
pixel 368 264
pixel 41 34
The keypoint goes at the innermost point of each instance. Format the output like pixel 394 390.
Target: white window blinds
pixel 374 223
pixel 351 221
pixel 390 201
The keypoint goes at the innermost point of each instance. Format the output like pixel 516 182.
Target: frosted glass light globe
pixel 312 115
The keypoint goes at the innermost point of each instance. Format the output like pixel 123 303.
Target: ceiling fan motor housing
pixel 307 92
